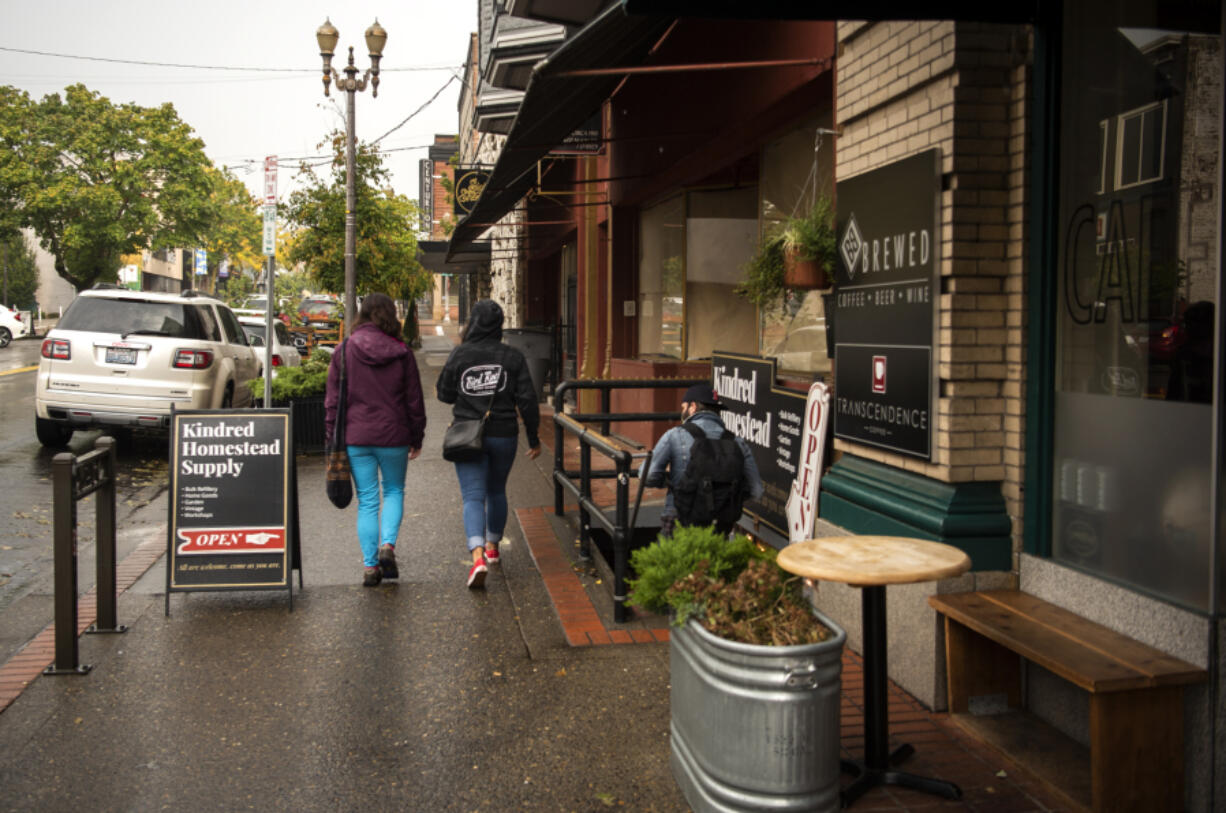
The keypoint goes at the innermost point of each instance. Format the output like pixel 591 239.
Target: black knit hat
pixel 701 394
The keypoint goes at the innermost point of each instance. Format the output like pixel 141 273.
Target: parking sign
pixel 270 230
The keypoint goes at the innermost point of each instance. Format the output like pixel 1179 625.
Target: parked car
pixel 258 305
pixel 124 358
pixel 320 311
pixel 11 326
pixel 284 353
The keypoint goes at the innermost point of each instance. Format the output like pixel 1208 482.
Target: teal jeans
pixel 370 465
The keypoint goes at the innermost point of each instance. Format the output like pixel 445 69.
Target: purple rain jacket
pixel 384 406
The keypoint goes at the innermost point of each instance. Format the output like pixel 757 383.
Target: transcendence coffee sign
pixel 771 420
pixel 231 514
pixel 886 290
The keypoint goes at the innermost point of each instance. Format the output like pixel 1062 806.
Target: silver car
pixel 284 353
pixel 124 358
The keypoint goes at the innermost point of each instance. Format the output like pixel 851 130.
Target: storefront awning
pixel 555 105
pixel 433 255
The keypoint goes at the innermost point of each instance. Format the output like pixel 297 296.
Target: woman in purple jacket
pixel 385 418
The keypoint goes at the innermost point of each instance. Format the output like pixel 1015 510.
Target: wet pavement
pixel 416 695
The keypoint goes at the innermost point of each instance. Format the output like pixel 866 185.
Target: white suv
pixel 124 358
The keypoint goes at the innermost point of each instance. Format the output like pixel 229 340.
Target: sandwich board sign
pixel 233 502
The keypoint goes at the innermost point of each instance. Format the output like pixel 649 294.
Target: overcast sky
pixel 243 116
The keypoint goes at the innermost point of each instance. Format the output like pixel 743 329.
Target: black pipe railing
pixel 618 528
pixel 73 478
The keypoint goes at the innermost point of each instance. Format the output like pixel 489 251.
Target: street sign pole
pixel 270 248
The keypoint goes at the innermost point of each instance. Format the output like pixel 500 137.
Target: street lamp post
pixel 327 37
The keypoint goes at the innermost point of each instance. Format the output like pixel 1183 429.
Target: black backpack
pixel 712 487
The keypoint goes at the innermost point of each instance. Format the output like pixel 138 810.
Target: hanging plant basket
pixel 803 274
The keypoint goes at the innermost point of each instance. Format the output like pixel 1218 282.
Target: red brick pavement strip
pixel 22 668
pixel 581 624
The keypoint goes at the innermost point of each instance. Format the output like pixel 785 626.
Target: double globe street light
pixel 327 36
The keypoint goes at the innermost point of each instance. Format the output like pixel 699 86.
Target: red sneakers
pixel 492 556
pixel 476 574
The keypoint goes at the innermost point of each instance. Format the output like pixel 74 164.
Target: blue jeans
pixel 483 488
pixel 367 464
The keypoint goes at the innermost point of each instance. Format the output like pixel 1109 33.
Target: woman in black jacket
pixel 483 374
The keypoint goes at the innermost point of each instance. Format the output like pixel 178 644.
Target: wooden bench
pixel 1136 691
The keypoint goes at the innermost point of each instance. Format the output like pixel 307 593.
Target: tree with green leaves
pixel 235 230
pixel 18 272
pixel 97 180
pixel 386 246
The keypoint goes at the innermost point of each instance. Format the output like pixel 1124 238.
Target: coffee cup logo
pixel 879 375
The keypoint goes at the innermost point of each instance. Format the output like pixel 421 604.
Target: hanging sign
pixel 885 301
pixel 469 184
pixel 233 501
pixel 583 140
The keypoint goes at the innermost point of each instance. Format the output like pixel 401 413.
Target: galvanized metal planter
pixel 755 727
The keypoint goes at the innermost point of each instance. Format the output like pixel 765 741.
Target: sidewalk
pixel 416 695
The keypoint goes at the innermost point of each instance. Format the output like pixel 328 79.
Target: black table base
pixel 868 778
pixel 878 766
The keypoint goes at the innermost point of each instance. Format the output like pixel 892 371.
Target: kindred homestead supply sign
pixel 232 512
pixel 771 420
pixel 885 298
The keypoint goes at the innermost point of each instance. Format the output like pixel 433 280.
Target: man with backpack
pixel 710 471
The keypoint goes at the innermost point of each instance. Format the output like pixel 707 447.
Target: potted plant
pixel 797 253
pixel 763 281
pixel 809 246
pixel 754 673
pixel 302 389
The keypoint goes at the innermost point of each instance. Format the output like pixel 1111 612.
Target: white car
pixel 124 358
pixel 11 326
pixel 284 353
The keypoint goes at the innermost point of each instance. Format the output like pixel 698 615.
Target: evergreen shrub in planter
pixel 302 389
pixel 755 675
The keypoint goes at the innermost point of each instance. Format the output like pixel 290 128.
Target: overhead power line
pixel 415 112
pixel 206 67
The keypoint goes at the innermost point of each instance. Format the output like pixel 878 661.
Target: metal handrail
pixel 619 528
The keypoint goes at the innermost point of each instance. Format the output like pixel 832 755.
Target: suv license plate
pixel 121 355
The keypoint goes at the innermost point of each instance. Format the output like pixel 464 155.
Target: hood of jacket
pixel 372 346
pixel 484 322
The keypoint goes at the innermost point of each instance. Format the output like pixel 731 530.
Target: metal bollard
pixel 72 479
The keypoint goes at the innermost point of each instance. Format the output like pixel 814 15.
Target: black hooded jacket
pixel 481 366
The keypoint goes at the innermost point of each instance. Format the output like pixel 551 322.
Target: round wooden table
pixel 872 562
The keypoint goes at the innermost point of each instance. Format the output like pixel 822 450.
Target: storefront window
pixel 721 230
pixel 661 306
pixel 794 166
pixel 692 248
pixel 1138 270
